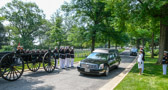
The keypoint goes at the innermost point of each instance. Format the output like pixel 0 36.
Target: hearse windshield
pixel 100 56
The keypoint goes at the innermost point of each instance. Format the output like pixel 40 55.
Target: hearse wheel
pixel 49 62
pixel 107 70
pixel 12 67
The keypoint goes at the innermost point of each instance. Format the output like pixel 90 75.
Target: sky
pixel 48 6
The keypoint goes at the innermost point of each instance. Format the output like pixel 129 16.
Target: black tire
pixel 49 62
pixel 12 67
pixel 34 64
pixel 107 70
pixel 81 73
pixel 118 64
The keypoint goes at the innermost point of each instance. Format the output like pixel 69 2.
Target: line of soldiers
pixel 65 56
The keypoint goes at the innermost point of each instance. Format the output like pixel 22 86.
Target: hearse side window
pixel 115 54
pixel 111 56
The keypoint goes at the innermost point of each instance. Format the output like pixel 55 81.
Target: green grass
pixel 82 54
pixel 78 59
pixel 152 79
pixel 121 50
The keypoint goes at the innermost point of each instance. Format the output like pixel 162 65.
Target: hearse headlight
pixel 101 66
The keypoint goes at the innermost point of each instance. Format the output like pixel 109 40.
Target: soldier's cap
pixel 165 51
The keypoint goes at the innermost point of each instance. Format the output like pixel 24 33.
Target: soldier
pixel 56 54
pixel 140 62
pixel 143 58
pixel 20 49
pixel 165 62
pixel 65 56
pixel 27 51
pixel 72 56
pixel 62 57
pixel 67 52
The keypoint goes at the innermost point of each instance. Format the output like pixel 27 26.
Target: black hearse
pixel 100 62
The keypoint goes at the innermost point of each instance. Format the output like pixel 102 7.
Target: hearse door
pixel 111 61
pixel 115 59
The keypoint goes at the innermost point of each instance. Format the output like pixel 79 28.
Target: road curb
pixel 116 80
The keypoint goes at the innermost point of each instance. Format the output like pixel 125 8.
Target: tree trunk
pixel 166 42
pixel 59 44
pixel 152 55
pixel 109 44
pixel 138 43
pixel 143 42
pixel 161 42
pixel 93 41
pixel 163 45
pixel 116 46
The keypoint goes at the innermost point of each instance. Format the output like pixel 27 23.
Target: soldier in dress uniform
pixel 140 56
pixel 143 58
pixel 65 56
pixel 62 58
pixel 72 56
pixel 56 54
pixel 67 52
pixel 165 62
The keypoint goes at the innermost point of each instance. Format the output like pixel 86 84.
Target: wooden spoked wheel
pixel 12 67
pixel 34 64
pixel 49 62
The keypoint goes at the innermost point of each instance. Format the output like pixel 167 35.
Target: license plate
pixel 84 66
pixel 87 70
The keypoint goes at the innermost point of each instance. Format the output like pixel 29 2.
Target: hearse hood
pixel 94 61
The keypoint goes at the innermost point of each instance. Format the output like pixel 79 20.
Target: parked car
pixel 101 61
pixel 133 51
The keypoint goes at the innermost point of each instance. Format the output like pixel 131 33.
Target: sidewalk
pixel 115 81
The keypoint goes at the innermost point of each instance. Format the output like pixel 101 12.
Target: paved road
pixel 69 79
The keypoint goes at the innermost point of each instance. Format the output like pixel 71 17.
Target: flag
pixel 19 44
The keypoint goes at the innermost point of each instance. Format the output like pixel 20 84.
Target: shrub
pixel 156 52
pixel 147 47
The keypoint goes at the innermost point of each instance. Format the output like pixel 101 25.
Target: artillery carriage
pixel 12 64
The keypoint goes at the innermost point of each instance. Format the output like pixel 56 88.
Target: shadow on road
pixel 18 85
pixel 41 73
pixel 113 73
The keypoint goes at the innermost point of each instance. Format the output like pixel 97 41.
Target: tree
pixel 92 9
pixel 2 35
pixel 157 10
pixel 57 34
pixel 25 20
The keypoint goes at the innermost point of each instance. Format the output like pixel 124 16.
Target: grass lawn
pixel 152 79
pixel 121 50
pixel 78 59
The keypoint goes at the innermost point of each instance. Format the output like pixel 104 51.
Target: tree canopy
pixel 89 24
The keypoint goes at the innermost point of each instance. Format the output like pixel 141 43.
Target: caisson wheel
pixel 34 64
pixel 49 62
pixel 12 67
